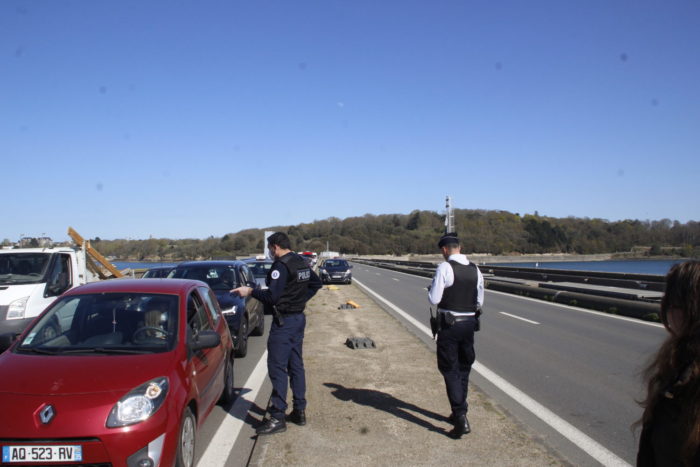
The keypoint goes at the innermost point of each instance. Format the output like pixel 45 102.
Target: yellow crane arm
pixel 94 255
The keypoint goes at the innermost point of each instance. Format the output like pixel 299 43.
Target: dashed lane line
pixel 518 317
pixel 560 305
pixel 570 432
pixel 226 435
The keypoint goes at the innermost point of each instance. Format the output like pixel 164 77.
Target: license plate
pixel 69 453
pixel 336 276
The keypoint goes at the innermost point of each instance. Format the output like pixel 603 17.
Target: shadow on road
pixel 389 404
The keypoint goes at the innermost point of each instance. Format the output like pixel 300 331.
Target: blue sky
pixel 130 119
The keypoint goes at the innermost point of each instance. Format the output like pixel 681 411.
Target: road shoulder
pixel 387 405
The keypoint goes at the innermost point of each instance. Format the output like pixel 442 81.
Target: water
pixel 651 266
pixel 139 264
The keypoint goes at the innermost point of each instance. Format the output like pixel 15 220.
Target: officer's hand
pixel 242 291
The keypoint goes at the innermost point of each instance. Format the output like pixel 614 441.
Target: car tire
pixel 242 347
pixel 229 392
pixel 259 330
pixel 186 440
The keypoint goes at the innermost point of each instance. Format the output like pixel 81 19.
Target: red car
pixel 117 372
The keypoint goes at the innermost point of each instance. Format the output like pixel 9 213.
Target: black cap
pixel 448 239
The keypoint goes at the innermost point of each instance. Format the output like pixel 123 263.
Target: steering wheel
pixel 163 333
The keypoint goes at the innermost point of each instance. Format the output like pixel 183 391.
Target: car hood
pixel 336 268
pixel 69 375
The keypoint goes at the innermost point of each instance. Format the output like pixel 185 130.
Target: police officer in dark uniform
pixel 291 283
pixel 458 291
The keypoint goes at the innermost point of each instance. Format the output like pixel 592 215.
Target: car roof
pixel 158 286
pixel 211 263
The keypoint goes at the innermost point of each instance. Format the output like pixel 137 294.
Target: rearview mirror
pixel 205 340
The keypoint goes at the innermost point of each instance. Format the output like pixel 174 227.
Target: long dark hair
pixel 676 367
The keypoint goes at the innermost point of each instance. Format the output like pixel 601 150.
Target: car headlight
pixel 17 308
pixel 230 311
pixel 139 404
pixel 347 273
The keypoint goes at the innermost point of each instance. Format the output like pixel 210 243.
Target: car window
pixel 59 279
pixel 197 315
pixel 246 276
pixel 211 303
pixel 218 277
pixel 107 323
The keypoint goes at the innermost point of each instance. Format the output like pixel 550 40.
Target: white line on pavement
pixel 554 304
pixel 573 434
pixel 395 279
pixel 518 317
pixel 226 435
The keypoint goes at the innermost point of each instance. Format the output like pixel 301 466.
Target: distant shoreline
pixel 481 258
pixel 476 257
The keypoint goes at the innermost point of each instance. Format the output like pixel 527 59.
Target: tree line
pixel 481 231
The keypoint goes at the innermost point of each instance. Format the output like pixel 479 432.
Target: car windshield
pixel 218 277
pixel 157 273
pixel 107 323
pixel 335 263
pixel 260 269
pixel 23 268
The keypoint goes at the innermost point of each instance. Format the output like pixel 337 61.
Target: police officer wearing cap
pixel 291 283
pixel 458 291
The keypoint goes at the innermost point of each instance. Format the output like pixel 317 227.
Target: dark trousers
pixel 285 364
pixel 455 356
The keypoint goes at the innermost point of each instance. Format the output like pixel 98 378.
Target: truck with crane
pixel 32 278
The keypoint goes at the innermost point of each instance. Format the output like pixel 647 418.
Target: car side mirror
pixel 205 340
pixel 6 340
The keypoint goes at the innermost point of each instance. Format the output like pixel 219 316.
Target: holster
pixel 277 316
pixel 435 323
pixel 477 326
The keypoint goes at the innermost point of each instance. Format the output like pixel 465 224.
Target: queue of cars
pixel 124 372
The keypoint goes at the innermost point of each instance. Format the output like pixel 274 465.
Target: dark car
pixel 336 270
pixel 259 268
pixel 157 273
pixel 244 316
pixel 127 378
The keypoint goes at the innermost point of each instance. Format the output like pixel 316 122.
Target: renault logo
pixel 46 414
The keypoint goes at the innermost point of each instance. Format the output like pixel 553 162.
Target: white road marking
pixel 518 317
pixel 573 434
pixel 395 279
pixel 220 446
pixel 583 310
pixel 561 305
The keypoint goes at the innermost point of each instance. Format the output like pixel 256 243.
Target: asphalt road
pixel 583 366
pixel 227 439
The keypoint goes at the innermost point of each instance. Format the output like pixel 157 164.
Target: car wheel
pixel 186 439
pixel 259 330
pixel 228 394
pixel 242 348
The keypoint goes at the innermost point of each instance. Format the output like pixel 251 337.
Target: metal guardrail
pixel 494 280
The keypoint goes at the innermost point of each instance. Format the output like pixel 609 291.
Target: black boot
pixel 461 427
pixel 297 416
pixel 271 426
